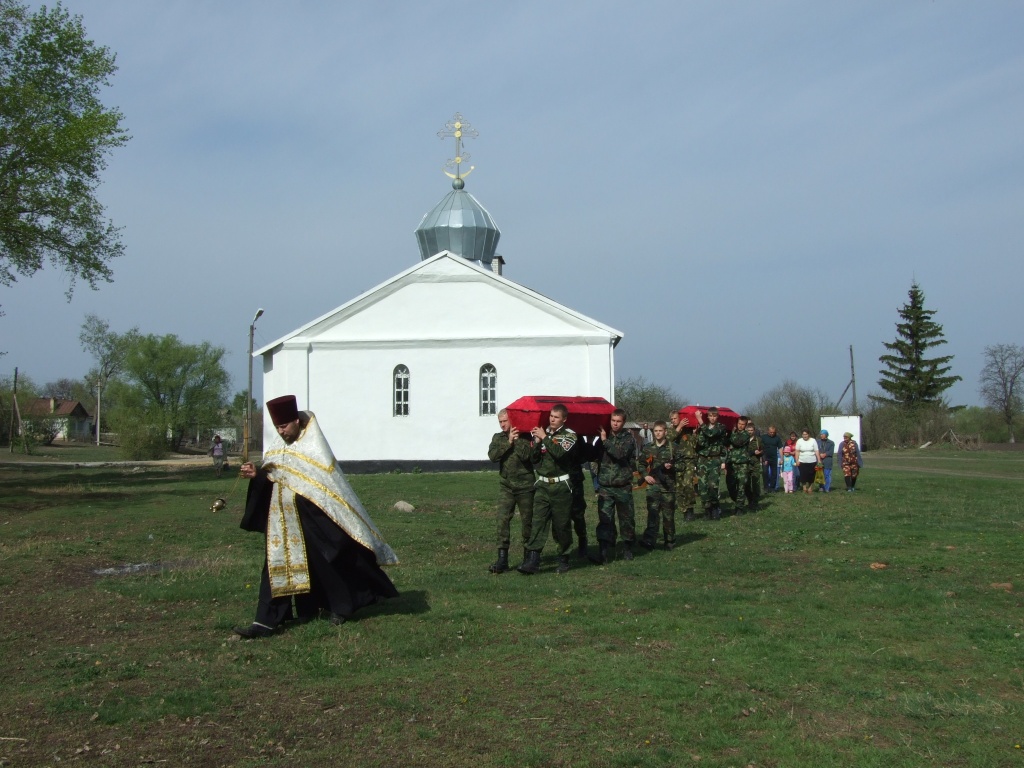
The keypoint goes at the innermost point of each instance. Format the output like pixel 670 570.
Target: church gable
pixel 447 297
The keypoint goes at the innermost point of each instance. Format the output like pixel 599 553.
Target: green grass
pixel 763 640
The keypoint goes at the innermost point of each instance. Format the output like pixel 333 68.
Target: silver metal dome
pixel 458 224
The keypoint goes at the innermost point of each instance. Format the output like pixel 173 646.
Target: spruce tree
pixel 909 378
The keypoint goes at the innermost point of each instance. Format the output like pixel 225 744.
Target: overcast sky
pixel 744 189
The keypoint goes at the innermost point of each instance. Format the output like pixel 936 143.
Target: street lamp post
pixel 248 393
pixel 99 397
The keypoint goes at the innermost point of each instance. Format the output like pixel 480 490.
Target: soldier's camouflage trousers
pixel 755 482
pixel 661 509
pixel 552 509
pixel 736 481
pixel 686 487
pixel 612 502
pixel 709 475
pixel 508 500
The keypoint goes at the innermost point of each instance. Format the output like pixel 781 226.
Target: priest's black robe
pixel 343 574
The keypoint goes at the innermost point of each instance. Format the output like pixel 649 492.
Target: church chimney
pixel 497 263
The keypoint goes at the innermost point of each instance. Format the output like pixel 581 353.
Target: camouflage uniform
pixel 755 481
pixel 553 458
pixel 710 443
pixel 661 497
pixel 739 464
pixel 615 476
pixel 686 471
pixel 516 486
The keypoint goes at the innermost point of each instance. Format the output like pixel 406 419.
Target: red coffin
pixel 587 415
pixel 726 416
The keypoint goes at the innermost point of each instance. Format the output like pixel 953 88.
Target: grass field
pixel 774 639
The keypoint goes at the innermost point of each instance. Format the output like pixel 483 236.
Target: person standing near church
pixel 617 460
pixel 755 450
pixel 807 457
pixel 772 444
pixel 217 452
pixel 826 450
pixel 739 462
pixel 686 466
pixel 512 452
pixel 657 466
pixel 646 435
pixel 322 548
pixel 712 440
pixel 552 456
pixel 850 460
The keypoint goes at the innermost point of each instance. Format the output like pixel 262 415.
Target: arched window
pixel 488 390
pixel 401 390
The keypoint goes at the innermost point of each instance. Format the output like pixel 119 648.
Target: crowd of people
pixel 680 465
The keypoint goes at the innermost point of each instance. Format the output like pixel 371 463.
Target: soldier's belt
pixel 553 480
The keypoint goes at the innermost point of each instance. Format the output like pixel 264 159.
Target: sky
pixel 744 189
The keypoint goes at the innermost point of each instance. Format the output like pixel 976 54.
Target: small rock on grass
pixel 404 506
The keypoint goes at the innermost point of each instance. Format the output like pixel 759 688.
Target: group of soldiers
pixel 541 475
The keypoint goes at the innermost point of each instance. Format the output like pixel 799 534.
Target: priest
pixel 322 548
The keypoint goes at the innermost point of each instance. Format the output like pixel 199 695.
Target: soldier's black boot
pixel 563 564
pixel 582 549
pixel 627 550
pixel 602 554
pixel 501 564
pixel 530 564
pixel 688 515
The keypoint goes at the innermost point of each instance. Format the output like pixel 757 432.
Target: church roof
pixel 460 225
pixel 450 296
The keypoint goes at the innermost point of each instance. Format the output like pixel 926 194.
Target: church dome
pixel 458 224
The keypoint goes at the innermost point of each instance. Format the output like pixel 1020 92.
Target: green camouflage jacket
pixel 652 461
pixel 514 463
pixel 738 442
pixel 711 442
pixel 686 448
pixel 754 445
pixel 554 455
pixel 618 460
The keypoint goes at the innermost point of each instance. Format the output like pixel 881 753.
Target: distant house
pixel 63 419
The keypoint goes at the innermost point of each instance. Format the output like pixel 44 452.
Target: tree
pixel 645 401
pixel 1001 380
pixel 791 407
pixel 27 392
pixel 55 136
pixel 180 387
pixel 109 349
pixel 909 378
pixel 66 389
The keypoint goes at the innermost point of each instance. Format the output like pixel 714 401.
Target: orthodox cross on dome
pixel 458 129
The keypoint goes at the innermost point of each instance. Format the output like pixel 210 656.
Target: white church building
pixel 411 373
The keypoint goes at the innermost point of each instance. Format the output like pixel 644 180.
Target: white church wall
pixel 351 391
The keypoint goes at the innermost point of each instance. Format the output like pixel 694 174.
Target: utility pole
pixel 853 380
pixel 14 406
pixel 99 390
pixel 247 427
